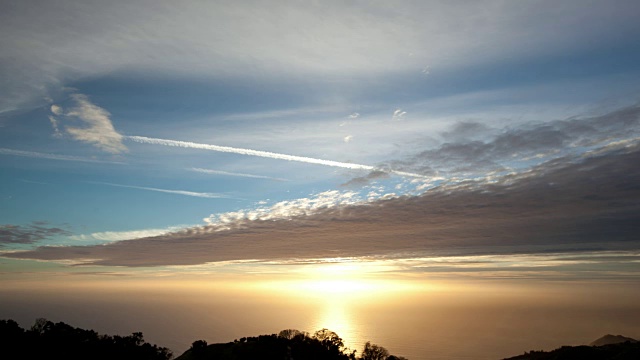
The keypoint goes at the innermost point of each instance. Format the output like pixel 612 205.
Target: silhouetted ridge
pixel 287 345
pixel 608 347
pixel 48 340
pixel 611 339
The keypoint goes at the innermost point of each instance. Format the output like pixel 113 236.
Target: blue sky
pixel 198 122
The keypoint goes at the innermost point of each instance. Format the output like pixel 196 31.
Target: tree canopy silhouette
pixel 288 344
pixel 46 339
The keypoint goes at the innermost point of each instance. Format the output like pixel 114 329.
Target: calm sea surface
pixel 464 322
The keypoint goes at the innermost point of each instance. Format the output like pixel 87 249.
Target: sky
pixel 369 139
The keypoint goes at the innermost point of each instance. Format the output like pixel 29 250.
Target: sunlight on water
pixel 337 317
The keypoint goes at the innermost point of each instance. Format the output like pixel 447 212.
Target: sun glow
pixel 347 277
pixel 336 286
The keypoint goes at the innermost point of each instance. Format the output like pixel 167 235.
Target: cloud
pixel 466 131
pixel 398 115
pixel 39 155
pixel 226 173
pixel 475 148
pixel 364 180
pixel 28 234
pixel 249 152
pixel 187 39
pixel 354 115
pixel 54 125
pixel 56 110
pixel 98 129
pixel 283 210
pixel 569 204
pixel 109 236
pixel 177 192
pixel 259 153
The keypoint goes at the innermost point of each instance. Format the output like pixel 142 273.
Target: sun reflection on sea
pixel 336 315
pixel 339 290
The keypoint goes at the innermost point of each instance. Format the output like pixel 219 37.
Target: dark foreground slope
pixel 629 350
pixel 48 340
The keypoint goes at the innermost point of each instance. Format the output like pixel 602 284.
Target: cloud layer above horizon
pixel 574 201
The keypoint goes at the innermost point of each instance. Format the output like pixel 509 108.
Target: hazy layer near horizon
pixel 421 319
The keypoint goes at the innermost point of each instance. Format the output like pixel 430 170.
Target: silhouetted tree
pixel 199 348
pixel 46 339
pixel 290 333
pixel 330 340
pixel 374 352
pixel 41 326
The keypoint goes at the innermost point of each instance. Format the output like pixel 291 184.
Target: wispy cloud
pixel 28 234
pixel 249 152
pixel 109 236
pixel 227 173
pixel 54 124
pixel 56 110
pixel 473 148
pixel 398 115
pixel 103 37
pixel 168 191
pixel 98 129
pixel 259 153
pixel 34 154
pixel 284 210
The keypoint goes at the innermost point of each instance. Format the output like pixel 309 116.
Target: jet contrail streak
pixel 241 151
pixel 178 192
pixel 265 154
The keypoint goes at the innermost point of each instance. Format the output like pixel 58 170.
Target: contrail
pixel 39 155
pixel 265 154
pixel 178 192
pixel 241 151
pixel 220 172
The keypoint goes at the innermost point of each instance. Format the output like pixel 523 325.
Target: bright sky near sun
pixel 266 135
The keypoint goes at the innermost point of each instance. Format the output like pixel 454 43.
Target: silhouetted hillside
pixel 48 340
pixel 611 339
pixel 288 344
pixel 628 350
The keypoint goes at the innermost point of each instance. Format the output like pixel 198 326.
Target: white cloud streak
pixel 54 125
pixel 248 152
pixel 39 155
pixel 259 153
pixel 168 191
pixel 110 236
pixel 226 173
